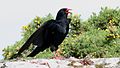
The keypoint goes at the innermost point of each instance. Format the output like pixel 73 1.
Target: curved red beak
pixel 68 11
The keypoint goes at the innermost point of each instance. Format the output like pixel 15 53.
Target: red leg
pixel 57 55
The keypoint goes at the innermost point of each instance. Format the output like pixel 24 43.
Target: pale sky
pixel 16 13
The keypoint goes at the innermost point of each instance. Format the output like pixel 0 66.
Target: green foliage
pixel 90 42
pixel 27 31
pixel 45 54
pixel 10 50
pixel 75 25
pixel 99 36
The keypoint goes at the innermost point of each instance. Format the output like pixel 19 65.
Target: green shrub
pixel 98 36
pixel 90 42
pixel 27 30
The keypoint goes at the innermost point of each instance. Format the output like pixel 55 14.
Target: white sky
pixel 16 13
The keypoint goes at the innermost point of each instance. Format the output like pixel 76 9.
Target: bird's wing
pixel 58 33
pixel 36 36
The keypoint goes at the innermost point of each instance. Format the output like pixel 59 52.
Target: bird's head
pixel 63 13
pixel 66 10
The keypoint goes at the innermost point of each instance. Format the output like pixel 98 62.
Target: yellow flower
pixel 38 22
pixel 10 54
pixel 25 27
pixel 98 28
pixel 118 36
pixel 111 34
pixel 107 30
pixel 114 36
pixel 35 21
pixel 17 48
pixel 110 21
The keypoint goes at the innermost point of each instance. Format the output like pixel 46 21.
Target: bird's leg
pixel 57 55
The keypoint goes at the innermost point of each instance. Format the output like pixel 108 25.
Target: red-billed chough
pixel 50 34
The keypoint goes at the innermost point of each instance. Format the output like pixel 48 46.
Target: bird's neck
pixel 61 17
pixel 62 22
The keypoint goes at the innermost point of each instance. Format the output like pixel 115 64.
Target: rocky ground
pixel 65 63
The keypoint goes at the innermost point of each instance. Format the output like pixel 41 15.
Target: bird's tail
pixel 24 47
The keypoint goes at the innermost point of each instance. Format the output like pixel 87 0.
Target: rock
pixel 66 63
pixel 77 64
pixel 3 65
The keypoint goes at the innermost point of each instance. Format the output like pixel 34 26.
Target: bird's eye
pixel 68 11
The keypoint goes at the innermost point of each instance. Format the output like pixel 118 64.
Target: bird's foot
pixel 40 63
pixel 58 57
pixel 86 62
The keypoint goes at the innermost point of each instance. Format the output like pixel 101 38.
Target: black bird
pixel 50 34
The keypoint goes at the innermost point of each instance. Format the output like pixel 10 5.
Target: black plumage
pixel 50 34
